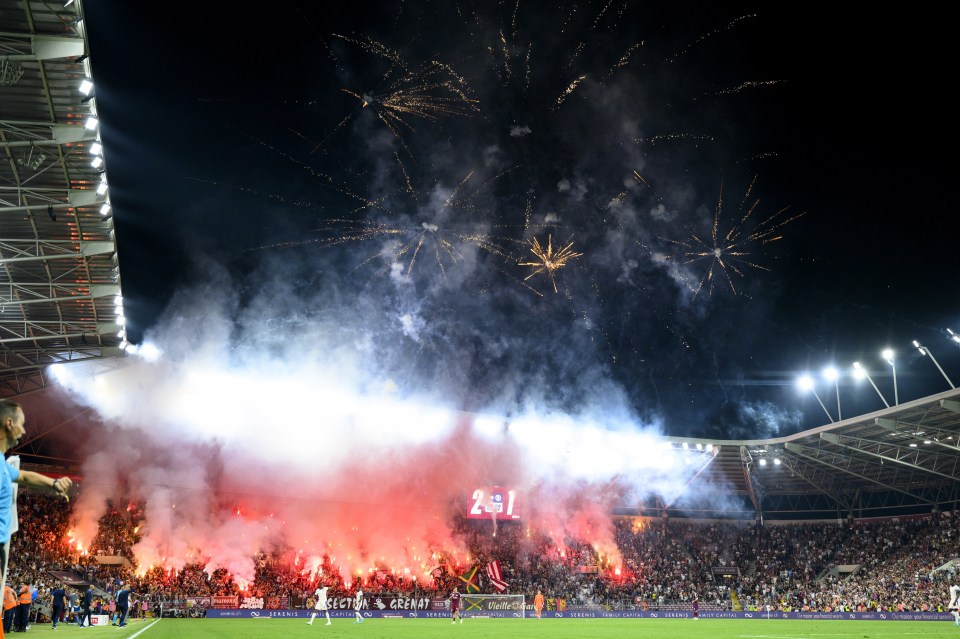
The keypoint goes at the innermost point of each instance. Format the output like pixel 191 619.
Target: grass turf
pixel 514 628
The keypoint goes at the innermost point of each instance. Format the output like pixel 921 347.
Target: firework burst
pixel 404 244
pixel 432 91
pixel 730 255
pixel 547 261
pixel 439 225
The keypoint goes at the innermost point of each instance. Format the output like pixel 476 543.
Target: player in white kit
pixel 358 605
pixel 321 595
pixel 954 606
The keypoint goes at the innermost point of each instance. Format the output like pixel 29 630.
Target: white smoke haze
pixel 767 419
pixel 233 442
pixel 662 214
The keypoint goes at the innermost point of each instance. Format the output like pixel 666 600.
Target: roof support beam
pixel 950 405
pixel 827 484
pixel 754 488
pixel 938 437
pixel 838 440
pixel 802 451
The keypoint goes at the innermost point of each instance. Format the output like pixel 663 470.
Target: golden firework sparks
pixel 570 89
pixel 548 261
pixel 750 84
pixel 712 33
pixel 674 137
pixel 625 58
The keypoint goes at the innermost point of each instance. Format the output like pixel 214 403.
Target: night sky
pixel 246 176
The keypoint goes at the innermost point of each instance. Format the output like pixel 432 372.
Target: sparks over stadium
pixel 422 334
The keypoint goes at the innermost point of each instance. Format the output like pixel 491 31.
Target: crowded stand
pixel 658 564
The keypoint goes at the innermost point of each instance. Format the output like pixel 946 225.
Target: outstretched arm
pixel 60 485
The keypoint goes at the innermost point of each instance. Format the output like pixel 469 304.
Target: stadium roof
pixel 59 278
pixel 901 460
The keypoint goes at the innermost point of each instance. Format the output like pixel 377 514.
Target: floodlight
pixel 86 86
pixel 91 123
pixel 96 149
pixel 926 351
pixel 97 162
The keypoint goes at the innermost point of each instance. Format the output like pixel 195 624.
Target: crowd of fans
pixel 853 565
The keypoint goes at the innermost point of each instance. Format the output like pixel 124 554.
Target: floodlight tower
pixel 926 351
pixel 859 372
pixel 806 383
pixel 887 354
pixel 831 374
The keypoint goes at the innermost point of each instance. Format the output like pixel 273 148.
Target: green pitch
pixel 513 629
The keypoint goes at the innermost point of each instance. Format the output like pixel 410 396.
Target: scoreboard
pixel 493 502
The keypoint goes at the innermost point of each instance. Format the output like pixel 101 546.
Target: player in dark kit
pixel 123 605
pixel 57 595
pixel 455 606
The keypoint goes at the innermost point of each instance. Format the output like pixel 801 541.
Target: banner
pixel 496 577
pixel 483 604
pixel 470 580
pixel 226 602
pixel 762 617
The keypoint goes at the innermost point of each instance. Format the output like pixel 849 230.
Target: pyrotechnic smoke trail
pixel 213 463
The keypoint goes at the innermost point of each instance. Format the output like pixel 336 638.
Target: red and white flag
pixel 495 576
